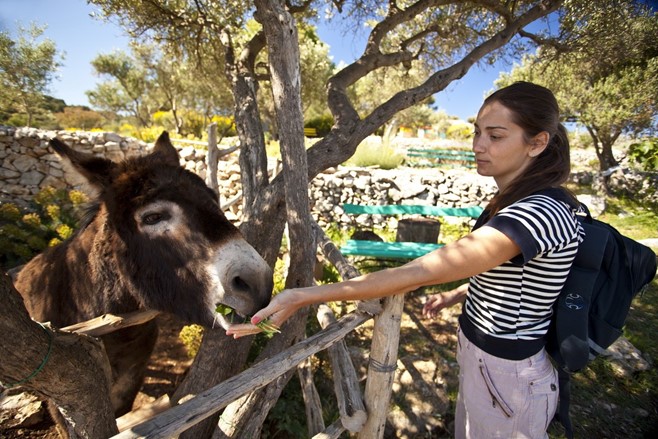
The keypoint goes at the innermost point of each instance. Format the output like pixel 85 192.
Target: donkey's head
pixel 162 230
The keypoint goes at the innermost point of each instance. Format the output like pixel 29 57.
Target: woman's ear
pixel 539 143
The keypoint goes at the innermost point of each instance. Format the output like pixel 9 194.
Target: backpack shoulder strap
pixel 573 304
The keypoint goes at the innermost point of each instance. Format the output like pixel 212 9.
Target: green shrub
pixel 191 336
pixel 322 124
pixel 645 153
pixel 374 154
pixel 51 218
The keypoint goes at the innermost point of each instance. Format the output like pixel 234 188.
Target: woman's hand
pixel 436 302
pixel 281 307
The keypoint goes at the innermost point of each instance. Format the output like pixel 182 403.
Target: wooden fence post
pixel 382 366
pixel 211 158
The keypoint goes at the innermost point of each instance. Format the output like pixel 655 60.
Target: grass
pixel 376 154
pixel 634 221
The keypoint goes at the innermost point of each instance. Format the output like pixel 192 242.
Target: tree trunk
pixel 212 158
pixel 71 370
pixel 206 371
pixel 244 417
pixel 603 148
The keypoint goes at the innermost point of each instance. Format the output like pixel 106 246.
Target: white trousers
pixel 501 398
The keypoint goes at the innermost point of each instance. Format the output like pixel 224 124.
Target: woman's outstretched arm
pixel 475 253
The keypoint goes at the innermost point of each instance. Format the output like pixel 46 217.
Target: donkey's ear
pixel 97 170
pixel 164 149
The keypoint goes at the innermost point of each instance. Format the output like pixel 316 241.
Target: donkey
pixel 155 239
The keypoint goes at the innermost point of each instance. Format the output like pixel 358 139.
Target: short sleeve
pixel 537 224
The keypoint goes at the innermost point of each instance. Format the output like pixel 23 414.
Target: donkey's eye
pixel 154 217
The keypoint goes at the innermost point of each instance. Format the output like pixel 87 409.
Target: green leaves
pixel 266 326
pixel 645 153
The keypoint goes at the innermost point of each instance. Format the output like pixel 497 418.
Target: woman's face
pixel 501 151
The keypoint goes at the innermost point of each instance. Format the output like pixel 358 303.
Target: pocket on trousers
pixel 496 399
pixel 543 402
pixel 545 385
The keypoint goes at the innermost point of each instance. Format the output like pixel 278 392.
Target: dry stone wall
pixel 28 164
pixel 430 187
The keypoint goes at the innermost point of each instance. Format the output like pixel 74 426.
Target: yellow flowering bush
pixel 51 218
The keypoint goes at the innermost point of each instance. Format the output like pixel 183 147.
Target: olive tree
pixel 27 67
pixel 609 86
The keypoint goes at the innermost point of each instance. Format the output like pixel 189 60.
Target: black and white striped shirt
pixel 514 300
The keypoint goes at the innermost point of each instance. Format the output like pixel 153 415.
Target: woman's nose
pixel 477 145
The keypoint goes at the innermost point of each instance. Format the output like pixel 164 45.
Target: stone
pixel 31 178
pixel 111 137
pixel 24 163
pixel 112 146
pixel 8 173
pixel 187 153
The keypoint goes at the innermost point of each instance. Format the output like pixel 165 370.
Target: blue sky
pixel 82 38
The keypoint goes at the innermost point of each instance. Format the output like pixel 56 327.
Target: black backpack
pixel 609 271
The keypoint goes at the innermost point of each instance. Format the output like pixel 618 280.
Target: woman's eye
pixel 154 218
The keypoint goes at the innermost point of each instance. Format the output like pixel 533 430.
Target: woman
pixel 517 258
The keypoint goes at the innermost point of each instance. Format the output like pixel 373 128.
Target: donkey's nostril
pixel 239 284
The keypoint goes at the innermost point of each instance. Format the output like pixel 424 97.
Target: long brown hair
pixel 535 109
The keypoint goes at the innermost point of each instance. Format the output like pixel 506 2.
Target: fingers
pixel 261 315
pixel 242 330
pixel 264 320
pixel 432 307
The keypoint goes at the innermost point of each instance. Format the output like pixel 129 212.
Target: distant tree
pixel 442 121
pixel 610 87
pixel 27 66
pixel 150 79
pixel 79 117
pixel 127 90
pixel 53 105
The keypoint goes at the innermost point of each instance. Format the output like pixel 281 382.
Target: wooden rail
pixel 183 416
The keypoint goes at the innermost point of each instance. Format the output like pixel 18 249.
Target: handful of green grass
pixel 265 325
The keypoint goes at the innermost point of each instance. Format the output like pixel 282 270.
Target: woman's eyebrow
pixel 492 127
